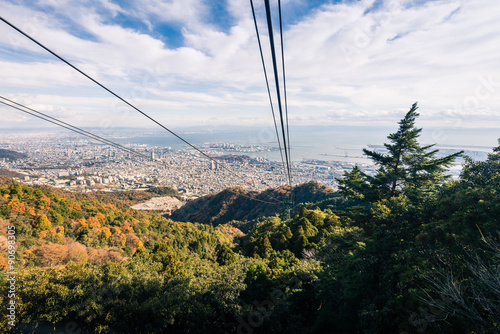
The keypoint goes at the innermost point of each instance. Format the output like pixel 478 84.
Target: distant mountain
pixel 237 204
pixel 312 192
pixel 11 155
pixel 123 198
pixel 8 174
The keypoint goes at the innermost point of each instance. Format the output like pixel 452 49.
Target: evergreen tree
pixel 265 249
pixel 408 168
pixel 353 184
pixel 303 212
pixel 299 240
pixel 224 255
pixel 43 223
pixel 482 173
pixel 309 229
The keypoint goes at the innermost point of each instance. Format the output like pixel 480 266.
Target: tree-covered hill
pixel 6 175
pixel 11 155
pixel 407 250
pixel 47 223
pixel 121 198
pixel 237 204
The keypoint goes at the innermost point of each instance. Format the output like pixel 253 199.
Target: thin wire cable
pixel 267 84
pixel 121 99
pixel 276 79
pixel 117 96
pixel 98 138
pixel 90 135
pixel 77 130
pixel 284 79
pixel 67 126
pixel 286 168
pixel 285 97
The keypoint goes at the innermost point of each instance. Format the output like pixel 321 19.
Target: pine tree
pixel 265 249
pixel 43 223
pixel 353 184
pixel 303 212
pixel 408 168
pixel 308 229
pixel 482 173
pixel 224 255
pixel 299 240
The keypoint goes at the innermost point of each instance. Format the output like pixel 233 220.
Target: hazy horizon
pixel 307 142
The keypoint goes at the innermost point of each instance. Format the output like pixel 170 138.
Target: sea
pixel 328 143
pixel 343 143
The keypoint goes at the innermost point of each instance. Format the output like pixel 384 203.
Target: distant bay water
pixel 331 143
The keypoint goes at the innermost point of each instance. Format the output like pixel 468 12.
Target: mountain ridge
pixel 237 204
pixel 11 155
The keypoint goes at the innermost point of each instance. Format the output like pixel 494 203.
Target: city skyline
pixel 82 165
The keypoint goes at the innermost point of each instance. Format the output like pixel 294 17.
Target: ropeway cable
pixel 267 85
pixel 121 99
pixel 276 80
pixel 90 135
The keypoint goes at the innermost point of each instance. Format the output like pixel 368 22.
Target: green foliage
pixel 224 255
pixel 303 232
pixel 43 223
pixel 482 173
pixel 407 168
pixel 354 184
pixel 334 267
pixel 57 217
pixel 164 191
pixel 129 297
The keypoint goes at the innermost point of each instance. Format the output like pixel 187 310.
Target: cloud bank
pixel 193 62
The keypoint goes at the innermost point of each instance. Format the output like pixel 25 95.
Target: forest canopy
pixel 407 250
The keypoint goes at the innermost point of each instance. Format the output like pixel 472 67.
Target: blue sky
pixel 196 62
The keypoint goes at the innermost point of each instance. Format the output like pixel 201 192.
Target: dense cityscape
pixel 79 164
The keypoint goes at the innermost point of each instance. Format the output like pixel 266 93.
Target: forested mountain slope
pixel 11 155
pixel 408 250
pixel 237 204
pixel 51 226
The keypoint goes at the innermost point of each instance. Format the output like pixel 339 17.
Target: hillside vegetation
pixel 237 204
pixel 11 155
pixel 407 250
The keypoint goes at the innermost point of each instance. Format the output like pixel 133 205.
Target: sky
pixel 197 62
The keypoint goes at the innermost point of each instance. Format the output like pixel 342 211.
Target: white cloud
pixel 188 14
pixel 344 61
pixel 434 59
